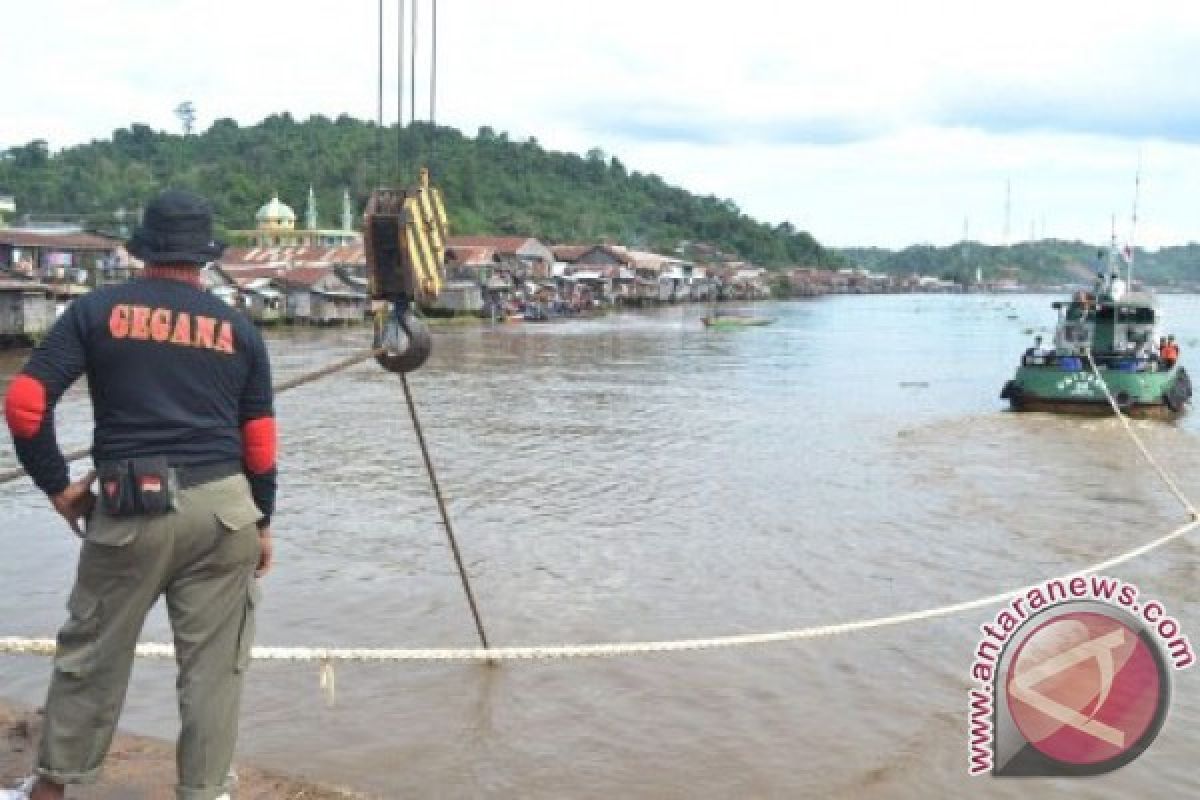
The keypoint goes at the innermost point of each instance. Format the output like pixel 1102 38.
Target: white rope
pixel 1162 472
pixel 328 655
pixel 328 682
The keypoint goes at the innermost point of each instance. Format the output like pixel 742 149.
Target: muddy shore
pixel 142 768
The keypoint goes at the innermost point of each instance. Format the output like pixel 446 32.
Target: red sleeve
pixel 259 445
pixel 25 406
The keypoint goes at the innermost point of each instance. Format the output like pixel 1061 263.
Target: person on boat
pixel 1034 354
pixel 1169 352
pixel 1117 286
pixel 1146 351
pixel 184 449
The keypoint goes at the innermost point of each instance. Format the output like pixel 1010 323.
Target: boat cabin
pixel 1115 328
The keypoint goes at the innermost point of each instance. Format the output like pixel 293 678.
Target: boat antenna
pixel 1112 245
pixel 1137 189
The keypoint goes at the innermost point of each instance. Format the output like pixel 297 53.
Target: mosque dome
pixel 276 214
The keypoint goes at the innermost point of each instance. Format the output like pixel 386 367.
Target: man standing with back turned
pixel 184 449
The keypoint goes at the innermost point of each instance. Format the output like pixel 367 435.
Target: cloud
pixel 692 126
pixel 1128 77
pixel 1021 112
pixel 858 120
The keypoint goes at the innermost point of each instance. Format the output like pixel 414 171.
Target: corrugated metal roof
pixel 570 252
pixel 244 274
pixel 23 286
pixel 58 241
pixel 468 255
pixel 501 244
pixel 304 276
pixel 305 255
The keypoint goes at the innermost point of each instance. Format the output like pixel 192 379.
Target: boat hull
pixel 1092 409
pixel 728 323
pixel 1153 395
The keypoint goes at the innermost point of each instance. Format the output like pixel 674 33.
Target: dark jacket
pixel 172 371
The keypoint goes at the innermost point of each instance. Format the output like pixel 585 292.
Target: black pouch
pixel 116 488
pixel 153 489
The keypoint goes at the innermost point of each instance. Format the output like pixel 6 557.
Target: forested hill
pixel 491 184
pixel 1048 261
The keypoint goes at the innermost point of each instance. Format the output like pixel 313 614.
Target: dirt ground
pixel 140 768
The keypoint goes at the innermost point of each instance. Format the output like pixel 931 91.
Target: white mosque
pixel 275 226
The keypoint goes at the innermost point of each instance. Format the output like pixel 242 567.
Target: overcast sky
pixel 865 123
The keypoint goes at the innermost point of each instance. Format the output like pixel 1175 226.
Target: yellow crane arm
pixel 405 238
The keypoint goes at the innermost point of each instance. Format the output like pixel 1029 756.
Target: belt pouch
pixel 116 488
pixel 153 488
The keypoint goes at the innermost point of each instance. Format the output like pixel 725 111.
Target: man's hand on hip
pixel 266 552
pixel 75 502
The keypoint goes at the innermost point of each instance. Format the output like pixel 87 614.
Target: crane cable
pixel 415 418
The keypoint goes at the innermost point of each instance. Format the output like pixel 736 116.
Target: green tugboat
pixel 1120 330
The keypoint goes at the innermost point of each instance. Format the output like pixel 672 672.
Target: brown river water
pixel 635 477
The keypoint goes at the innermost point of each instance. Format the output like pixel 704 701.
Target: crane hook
pixel 402 340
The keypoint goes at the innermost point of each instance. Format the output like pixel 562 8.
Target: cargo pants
pixel 201 557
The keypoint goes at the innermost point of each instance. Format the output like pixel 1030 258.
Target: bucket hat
pixel 176 229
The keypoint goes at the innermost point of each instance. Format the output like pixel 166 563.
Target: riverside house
pixel 306 285
pixel 475 280
pixel 525 257
pixel 70 261
pixel 27 310
pixel 610 269
pixel 503 267
pixel 639 277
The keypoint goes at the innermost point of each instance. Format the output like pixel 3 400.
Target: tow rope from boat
pixel 327 656
pixel 1137 440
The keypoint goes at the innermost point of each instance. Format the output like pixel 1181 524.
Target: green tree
pixel 491 183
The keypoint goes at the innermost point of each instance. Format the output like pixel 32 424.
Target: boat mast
pixel 1137 187
pixel 1114 264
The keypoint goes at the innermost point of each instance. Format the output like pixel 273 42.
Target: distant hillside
pixel 1049 261
pixel 491 184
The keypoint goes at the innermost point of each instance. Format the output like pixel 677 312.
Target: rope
pixel 1162 472
pixel 328 682
pixel 328 369
pixel 328 655
pixel 10 475
pixel 441 503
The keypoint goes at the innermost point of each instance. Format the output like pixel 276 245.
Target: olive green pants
pixel 201 557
